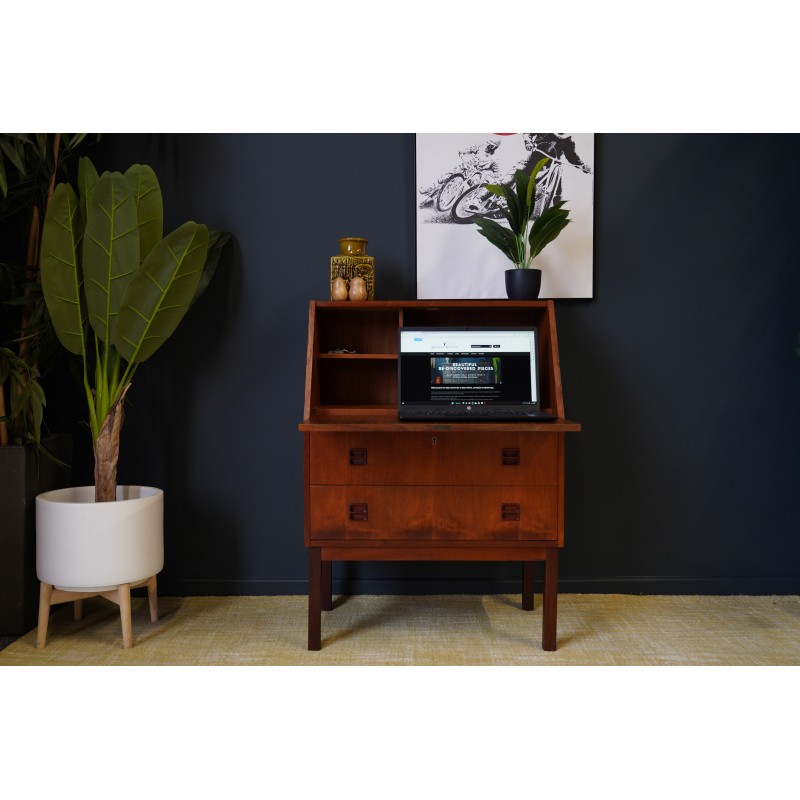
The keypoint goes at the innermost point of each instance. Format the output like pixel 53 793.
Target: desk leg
pixel 327 586
pixel 314 598
pixel 550 599
pixel 527 585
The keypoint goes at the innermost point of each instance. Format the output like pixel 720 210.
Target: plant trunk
pixel 106 452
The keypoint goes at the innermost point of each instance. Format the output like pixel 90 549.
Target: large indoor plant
pixel 33 458
pixel 524 238
pixel 29 166
pixel 116 289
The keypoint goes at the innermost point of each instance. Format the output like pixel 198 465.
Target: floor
pixel 364 630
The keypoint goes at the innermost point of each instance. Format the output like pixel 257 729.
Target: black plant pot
pixel 523 284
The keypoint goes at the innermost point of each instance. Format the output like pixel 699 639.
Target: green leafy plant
pixel 517 242
pixel 26 397
pixel 29 165
pixel 117 288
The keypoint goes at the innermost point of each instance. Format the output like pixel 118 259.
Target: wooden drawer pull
pixel 510 456
pixel 510 512
pixel 358 456
pixel 358 512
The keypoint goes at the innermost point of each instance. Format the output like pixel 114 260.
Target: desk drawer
pixel 436 459
pixel 456 513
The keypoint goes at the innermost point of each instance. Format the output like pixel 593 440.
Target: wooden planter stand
pixel 50 596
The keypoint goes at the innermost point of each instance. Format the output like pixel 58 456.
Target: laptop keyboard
pixel 492 413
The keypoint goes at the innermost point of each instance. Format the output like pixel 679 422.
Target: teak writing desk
pixel 377 489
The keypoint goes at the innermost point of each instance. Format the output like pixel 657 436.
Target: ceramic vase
pixel 351 262
pixel 523 284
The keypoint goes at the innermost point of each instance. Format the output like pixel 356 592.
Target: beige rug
pixel 593 630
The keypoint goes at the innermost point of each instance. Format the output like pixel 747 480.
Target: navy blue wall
pixel 682 368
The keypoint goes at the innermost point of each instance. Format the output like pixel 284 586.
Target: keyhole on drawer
pixel 433 440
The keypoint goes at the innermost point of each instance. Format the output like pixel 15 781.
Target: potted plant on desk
pixel 522 240
pixel 116 289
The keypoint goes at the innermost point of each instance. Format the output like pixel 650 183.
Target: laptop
pixel 469 373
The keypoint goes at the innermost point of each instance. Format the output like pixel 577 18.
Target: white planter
pixel 86 546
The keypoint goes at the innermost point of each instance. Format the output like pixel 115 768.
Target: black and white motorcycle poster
pixel 452 169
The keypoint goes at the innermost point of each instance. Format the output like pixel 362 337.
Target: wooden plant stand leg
pixel 122 597
pixel 45 595
pixel 124 600
pixel 549 606
pixel 50 596
pixel 314 598
pixel 527 585
pixel 77 610
pixel 152 598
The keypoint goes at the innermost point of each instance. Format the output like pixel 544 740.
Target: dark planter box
pixel 24 473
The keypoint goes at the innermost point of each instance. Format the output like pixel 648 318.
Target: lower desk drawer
pixel 436 513
pixel 435 458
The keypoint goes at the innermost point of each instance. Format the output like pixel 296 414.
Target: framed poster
pixel 453 260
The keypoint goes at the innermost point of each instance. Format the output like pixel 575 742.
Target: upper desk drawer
pixel 435 458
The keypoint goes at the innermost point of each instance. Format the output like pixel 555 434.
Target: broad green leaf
pixel 511 212
pixel 523 209
pixel 18 394
pixel 62 281
pixel 36 403
pixel 110 251
pixel 41 143
pixel 216 244
pixel 546 224
pixel 149 206
pixel 496 188
pixel 532 182
pixel 13 150
pixel 500 236
pixel 161 292
pixel 497 231
pixel 547 227
pixel 87 180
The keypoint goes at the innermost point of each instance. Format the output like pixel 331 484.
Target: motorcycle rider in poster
pixel 558 147
pixel 459 190
pixel 478 158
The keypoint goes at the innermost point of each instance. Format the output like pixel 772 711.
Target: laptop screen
pixel 474 372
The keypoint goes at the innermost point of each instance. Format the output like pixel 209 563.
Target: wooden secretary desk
pixel 377 489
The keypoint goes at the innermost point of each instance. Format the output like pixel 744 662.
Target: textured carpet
pixel 593 630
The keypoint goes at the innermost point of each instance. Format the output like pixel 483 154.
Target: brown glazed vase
pixel 351 262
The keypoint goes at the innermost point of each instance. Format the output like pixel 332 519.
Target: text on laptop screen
pixel 477 366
